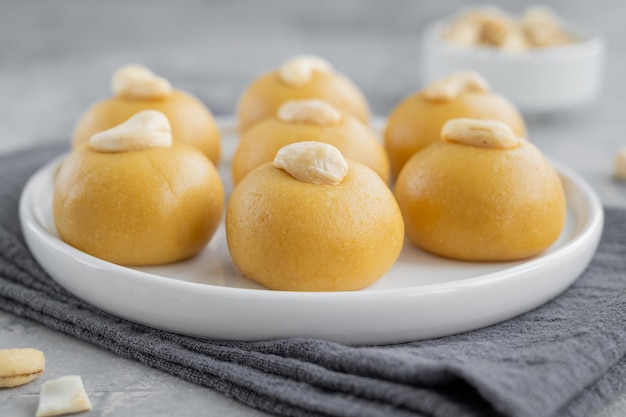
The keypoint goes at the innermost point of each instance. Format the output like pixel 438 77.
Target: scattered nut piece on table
pixel 65 395
pixel 20 366
pixel 619 166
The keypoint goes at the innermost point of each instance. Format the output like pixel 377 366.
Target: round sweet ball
pixel 481 194
pixel 313 221
pixel 309 120
pixel 417 121
pixel 136 88
pixel 301 77
pixel 132 196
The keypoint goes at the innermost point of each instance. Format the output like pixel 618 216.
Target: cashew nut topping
pixel 313 111
pixel 65 395
pixel 619 166
pixel 138 82
pixel 146 129
pixel 20 366
pixel 312 162
pixel 480 133
pixel 450 87
pixel 298 70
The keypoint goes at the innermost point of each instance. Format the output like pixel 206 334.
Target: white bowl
pixel 538 80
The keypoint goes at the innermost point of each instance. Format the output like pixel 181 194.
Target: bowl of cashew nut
pixel 537 60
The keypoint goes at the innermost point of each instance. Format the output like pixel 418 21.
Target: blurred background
pixel 57 57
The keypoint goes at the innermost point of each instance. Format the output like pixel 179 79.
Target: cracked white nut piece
pixel 313 111
pixel 619 166
pixel 480 133
pixel 298 70
pixel 65 395
pixel 312 162
pixel 146 129
pixel 139 82
pixel 450 87
pixel 20 366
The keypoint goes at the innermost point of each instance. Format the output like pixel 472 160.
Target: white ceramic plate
pixel 423 296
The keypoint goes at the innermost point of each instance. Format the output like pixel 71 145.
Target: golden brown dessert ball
pixel 477 203
pixel 417 121
pixel 138 207
pixel 354 139
pixel 302 77
pixel 293 235
pixel 191 121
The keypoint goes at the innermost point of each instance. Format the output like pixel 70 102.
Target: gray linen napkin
pixel 566 358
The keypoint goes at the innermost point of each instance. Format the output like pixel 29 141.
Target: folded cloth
pixel 566 358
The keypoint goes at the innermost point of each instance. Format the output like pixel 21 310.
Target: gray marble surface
pixel 56 59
